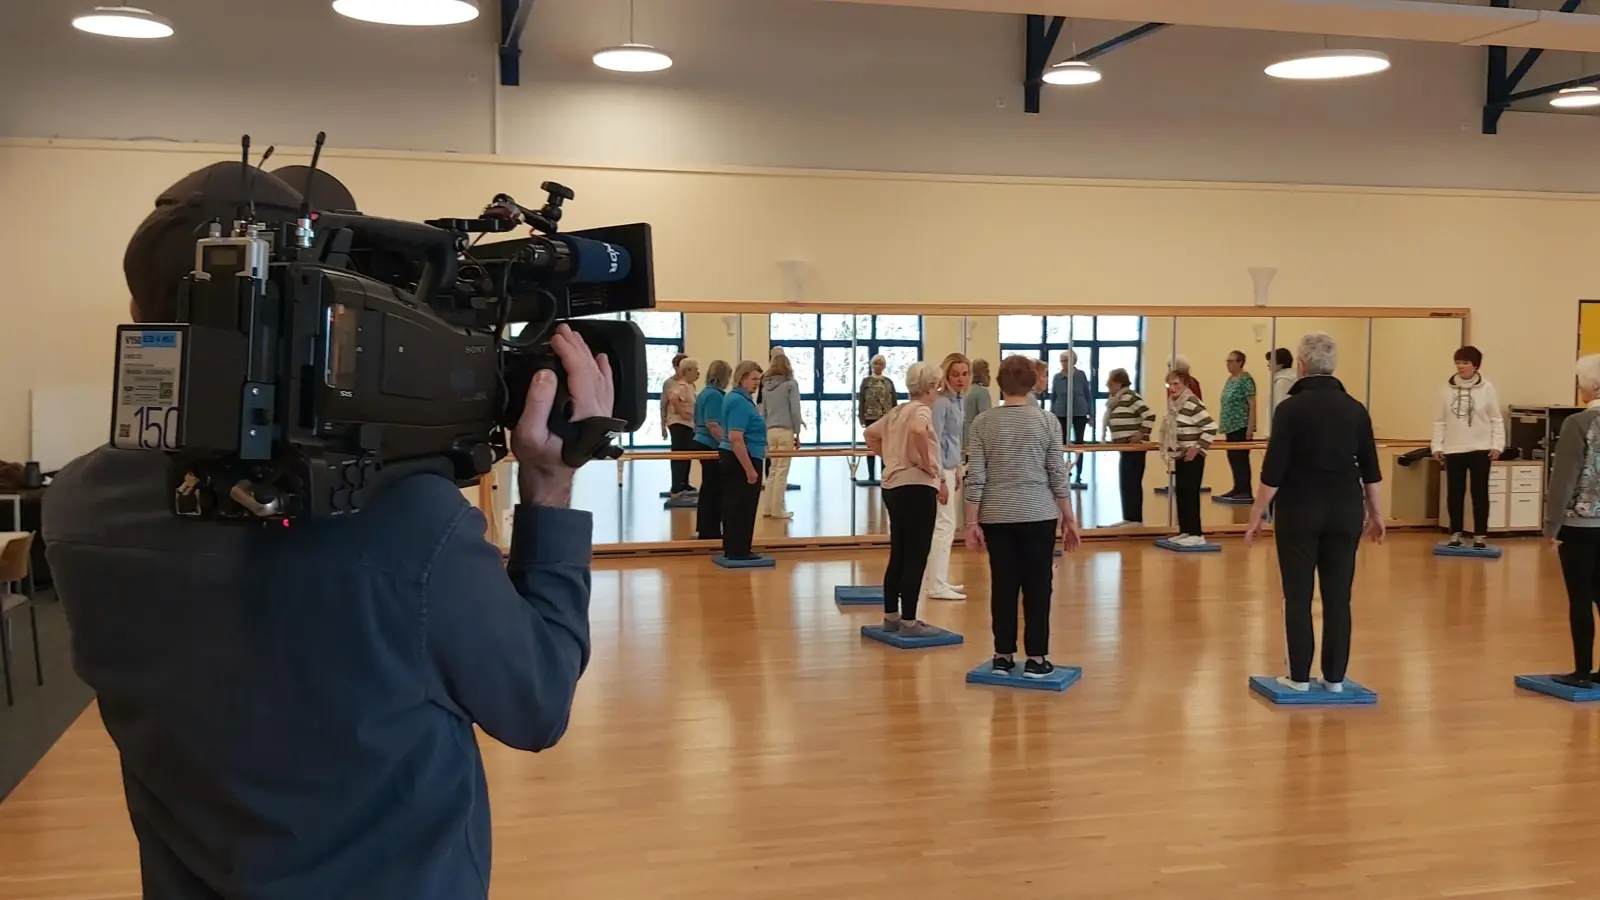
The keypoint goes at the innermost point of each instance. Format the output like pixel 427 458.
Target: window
pixel 828 369
pixel 663 339
pixel 1102 343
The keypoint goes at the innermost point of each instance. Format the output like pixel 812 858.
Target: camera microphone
pixel 594 262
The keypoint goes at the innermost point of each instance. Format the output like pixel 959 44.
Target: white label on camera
pixel 148 385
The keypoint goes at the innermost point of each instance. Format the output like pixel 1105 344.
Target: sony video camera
pixel 315 359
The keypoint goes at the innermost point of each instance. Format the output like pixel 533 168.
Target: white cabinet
pixel 1516 497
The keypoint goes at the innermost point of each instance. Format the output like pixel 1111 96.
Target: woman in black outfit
pixel 1322 468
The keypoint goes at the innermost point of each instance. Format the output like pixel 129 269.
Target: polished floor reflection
pixel 735 737
pixel 830 504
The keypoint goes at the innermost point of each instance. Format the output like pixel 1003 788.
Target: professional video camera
pixel 318 356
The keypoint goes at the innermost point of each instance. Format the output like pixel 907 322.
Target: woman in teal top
pixel 743 448
pixel 708 434
pixel 1238 423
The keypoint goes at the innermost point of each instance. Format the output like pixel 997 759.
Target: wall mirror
pixel 1391 359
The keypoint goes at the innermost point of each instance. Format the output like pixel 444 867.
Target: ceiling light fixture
pixel 415 13
pixel 632 56
pixel 1071 72
pixel 1576 97
pixel 123 22
pixel 1323 65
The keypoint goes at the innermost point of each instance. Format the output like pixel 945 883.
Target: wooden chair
pixel 15 572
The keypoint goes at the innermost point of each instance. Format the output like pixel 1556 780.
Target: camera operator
pixel 294 705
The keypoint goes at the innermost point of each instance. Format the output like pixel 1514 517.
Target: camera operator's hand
pixel 543 479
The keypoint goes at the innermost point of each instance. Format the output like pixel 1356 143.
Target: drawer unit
pixel 1526 479
pixel 1525 512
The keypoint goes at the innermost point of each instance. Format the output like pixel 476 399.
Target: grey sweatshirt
pixel 1573 500
pixel 780 402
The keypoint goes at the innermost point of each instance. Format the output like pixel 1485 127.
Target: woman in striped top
pixel 1187 432
pixel 1129 420
pixel 1016 493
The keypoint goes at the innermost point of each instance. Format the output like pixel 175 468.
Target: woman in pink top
pixel 912 491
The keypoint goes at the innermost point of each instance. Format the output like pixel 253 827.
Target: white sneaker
pixel 958 588
pixel 947 595
pixel 1126 524
pixel 1177 539
pixel 1191 540
pixel 1332 687
pixel 1294 685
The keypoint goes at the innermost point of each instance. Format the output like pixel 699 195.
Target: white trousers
pixel 936 577
pixel 777 483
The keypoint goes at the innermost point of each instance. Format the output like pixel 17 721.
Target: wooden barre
pixel 859 450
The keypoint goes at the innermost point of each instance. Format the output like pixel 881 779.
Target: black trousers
pixel 740 499
pixel 1130 478
pixel 682 439
pixel 1456 468
pixel 1021 560
pixel 913 508
pixel 1079 425
pixel 1189 474
pixel 708 512
pixel 1580 568
pixel 1317 535
pixel 1239 462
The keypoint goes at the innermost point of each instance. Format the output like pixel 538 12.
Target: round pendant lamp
pixel 1071 72
pixel 413 13
pixel 632 57
pixel 1576 97
pixel 1324 65
pixel 123 22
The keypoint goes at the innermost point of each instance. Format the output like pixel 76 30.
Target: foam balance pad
pixel 688 501
pixel 1546 684
pixel 760 562
pixel 1059 680
pixel 791 487
pixel 1197 548
pixel 1234 501
pixel 1352 695
pixel 1163 490
pixel 940 638
pixel 868 482
pixel 858 594
pixel 1466 550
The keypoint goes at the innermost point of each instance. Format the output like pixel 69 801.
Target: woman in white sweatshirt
pixel 1468 433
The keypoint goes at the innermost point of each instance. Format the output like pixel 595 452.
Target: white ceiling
pixel 1440 21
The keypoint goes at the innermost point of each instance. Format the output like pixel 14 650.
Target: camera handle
pixel 585 439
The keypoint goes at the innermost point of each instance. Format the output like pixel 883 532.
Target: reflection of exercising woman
pixel 874 399
pixel 1468 434
pixel 1187 432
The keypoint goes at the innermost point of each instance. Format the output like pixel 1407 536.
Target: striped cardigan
pixel 1186 424
pixel 1128 418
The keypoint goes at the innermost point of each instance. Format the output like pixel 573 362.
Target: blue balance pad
pixel 791 487
pixel 1545 684
pixel 1466 550
pixel 1234 501
pixel 1059 680
pixel 868 482
pixel 760 562
pixel 1179 548
pixel 689 502
pixel 1163 490
pixel 894 639
pixel 858 594
pixel 1352 695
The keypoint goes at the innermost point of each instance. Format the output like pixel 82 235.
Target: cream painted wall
pixel 1520 261
pixel 706 338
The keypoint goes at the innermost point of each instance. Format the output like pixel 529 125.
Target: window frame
pixel 1087 350
pixel 811 404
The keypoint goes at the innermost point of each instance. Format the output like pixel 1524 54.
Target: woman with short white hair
pixel 1322 469
pixel 1572 519
pixel 678 405
pixel 913 488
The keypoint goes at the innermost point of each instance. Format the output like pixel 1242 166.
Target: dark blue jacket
pixel 294 707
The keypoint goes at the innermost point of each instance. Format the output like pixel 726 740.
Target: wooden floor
pixel 735 738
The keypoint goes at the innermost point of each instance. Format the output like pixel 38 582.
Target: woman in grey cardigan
pixel 780 406
pixel 1572 519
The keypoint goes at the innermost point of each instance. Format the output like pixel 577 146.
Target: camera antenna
pixel 255 173
pixel 244 176
pixel 311 175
